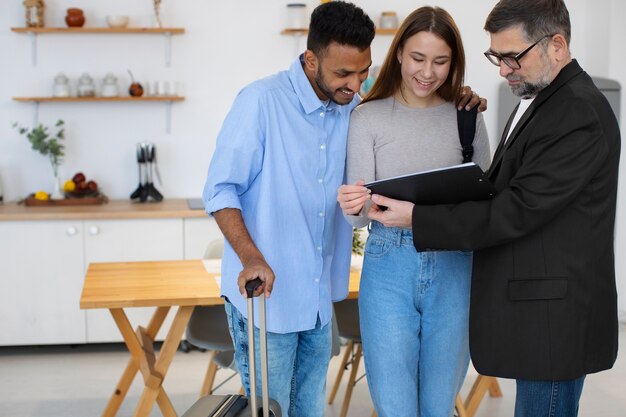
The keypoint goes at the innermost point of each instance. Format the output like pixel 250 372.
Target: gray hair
pixel 537 18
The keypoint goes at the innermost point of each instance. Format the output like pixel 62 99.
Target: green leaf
pixel 44 142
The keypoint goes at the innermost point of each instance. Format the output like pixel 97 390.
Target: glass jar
pixel 297 16
pixel 389 20
pixel 61 86
pixel 86 87
pixel 109 86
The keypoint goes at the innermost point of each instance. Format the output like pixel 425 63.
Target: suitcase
pixel 239 405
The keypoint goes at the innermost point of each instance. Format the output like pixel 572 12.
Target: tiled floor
pixel 77 381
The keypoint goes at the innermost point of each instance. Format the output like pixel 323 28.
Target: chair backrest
pixel 347 313
pixel 208 325
pixel 208 328
pixel 215 249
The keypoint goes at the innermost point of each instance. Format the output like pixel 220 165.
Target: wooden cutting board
pixel 31 201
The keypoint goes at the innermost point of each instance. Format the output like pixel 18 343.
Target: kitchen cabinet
pixel 42 275
pixel 199 233
pixel 127 241
pixel 45 252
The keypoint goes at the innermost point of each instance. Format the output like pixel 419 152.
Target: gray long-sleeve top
pixel 387 139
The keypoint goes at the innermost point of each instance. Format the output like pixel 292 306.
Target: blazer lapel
pixel 568 72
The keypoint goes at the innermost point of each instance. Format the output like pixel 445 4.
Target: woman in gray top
pixel 413 306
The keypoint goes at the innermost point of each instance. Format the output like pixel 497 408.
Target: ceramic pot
pixel 75 18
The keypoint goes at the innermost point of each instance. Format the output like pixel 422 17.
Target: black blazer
pixel 543 301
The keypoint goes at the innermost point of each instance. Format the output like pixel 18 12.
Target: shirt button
pixel 322 146
pixel 317 280
pixel 321 214
pixel 319 248
pixel 322 114
pixel 320 180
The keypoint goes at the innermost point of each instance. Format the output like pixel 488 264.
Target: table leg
pixel 152 391
pixel 121 389
pixel 156 321
pixel 140 347
pixel 480 387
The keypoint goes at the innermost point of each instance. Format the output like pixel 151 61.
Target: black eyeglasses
pixel 511 61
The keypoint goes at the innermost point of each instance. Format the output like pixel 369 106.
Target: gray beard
pixel 527 90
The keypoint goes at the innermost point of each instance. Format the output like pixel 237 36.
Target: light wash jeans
pixel 548 398
pixel 414 310
pixel 297 365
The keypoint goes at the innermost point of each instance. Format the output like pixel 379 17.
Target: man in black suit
pixel 543 302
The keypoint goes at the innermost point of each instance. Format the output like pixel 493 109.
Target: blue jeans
pixel 548 398
pixel 297 365
pixel 414 310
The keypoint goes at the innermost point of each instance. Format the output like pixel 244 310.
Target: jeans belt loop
pixel 399 237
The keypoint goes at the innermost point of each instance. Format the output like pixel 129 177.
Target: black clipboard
pixel 450 185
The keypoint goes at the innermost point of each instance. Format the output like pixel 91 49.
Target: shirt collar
pixel 304 90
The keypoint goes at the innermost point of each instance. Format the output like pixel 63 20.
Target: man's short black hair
pixel 340 22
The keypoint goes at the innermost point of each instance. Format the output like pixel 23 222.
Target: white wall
pixel 226 45
pixel 617 70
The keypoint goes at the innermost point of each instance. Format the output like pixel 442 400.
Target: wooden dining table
pixel 184 284
pixel 117 286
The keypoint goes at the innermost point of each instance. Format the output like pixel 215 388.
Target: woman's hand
pixel 351 198
pixel 397 213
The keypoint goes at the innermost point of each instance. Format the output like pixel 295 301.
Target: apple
pixel 78 178
pixel 92 186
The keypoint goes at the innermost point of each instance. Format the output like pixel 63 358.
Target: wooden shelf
pixel 305 31
pixel 166 32
pixel 95 99
pixel 173 31
pixel 168 100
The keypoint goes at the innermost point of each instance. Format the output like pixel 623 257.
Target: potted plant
pixel 43 141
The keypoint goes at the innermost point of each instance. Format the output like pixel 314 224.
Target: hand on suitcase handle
pixel 252 285
pixel 256 269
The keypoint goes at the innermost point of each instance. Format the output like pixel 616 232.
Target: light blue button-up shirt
pixel 280 158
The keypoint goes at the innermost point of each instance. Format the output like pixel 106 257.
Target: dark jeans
pixel 548 398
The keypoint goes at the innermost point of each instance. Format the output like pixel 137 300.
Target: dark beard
pixel 321 84
pixel 323 87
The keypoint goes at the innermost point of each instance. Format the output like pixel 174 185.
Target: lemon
pixel 41 195
pixel 69 186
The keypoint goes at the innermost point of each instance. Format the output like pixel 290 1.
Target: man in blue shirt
pixel 272 188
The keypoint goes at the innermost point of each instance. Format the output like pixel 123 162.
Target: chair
pixel 208 329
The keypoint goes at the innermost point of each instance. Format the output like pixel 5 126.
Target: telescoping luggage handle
pixel 250 287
